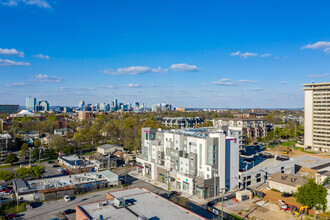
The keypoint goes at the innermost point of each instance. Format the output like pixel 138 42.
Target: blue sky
pixel 236 53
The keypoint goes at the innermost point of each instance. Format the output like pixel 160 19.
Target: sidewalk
pixel 193 198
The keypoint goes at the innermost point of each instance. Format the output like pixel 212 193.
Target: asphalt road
pixel 49 209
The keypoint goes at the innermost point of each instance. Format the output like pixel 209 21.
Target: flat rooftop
pixel 65 181
pixel 145 203
pixel 195 132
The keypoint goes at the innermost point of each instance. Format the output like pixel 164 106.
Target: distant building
pixel 62 131
pixel 317 116
pixel 25 113
pixel 81 104
pixel 44 105
pixel 30 103
pixel 182 122
pixel 84 115
pixel 180 109
pixel 9 109
pixel 134 203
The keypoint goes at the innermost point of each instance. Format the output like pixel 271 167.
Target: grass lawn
pixel 13 209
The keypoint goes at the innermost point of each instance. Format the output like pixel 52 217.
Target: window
pixel 185 186
pixel 248 183
pixel 207 176
pixel 208 168
pixel 258 180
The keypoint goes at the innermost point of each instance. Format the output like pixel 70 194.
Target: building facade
pixel 182 122
pixel 317 116
pixel 253 128
pixel 9 109
pixel 30 103
pixel 198 161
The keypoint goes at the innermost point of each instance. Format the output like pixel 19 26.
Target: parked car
pixel 51 161
pixel 67 198
pixel 55 165
pixel 65 172
pixel 175 193
pixel 3 187
pixel 286 195
pixel 35 204
pixel 69 211
pixel 10 216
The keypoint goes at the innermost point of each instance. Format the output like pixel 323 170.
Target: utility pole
pixel 222 203
pixel 168 186
pixel 30 157
pixel 39 155
pixel 215 183
pixel 109 161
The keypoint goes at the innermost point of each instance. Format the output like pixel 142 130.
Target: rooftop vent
pixel 293 179
pixel 119 202
pixel 142 217
pixel 284 177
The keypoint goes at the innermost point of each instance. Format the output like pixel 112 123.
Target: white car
pixel 67 198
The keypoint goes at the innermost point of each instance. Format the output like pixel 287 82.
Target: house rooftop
pixel 288 179
pixel 142 203
pixel 108 146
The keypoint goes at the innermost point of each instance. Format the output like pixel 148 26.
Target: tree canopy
pixel 312 194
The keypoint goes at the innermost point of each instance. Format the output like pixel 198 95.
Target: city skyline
pixel 214 55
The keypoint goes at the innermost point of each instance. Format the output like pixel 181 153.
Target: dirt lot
pixel 256 209
pixel 273 197
pixel 293 153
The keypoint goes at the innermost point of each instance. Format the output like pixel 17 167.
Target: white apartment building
pixel 317 116
pixel 192 160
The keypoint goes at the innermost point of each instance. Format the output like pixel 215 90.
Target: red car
pixel 7 190
pixel 10 216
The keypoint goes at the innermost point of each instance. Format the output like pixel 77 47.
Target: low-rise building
pixel 322 177
pixel 62 131
pixel 286 182
pixel 134 203
pixel 74 162
pixel 58 187
pixel 255 173
pixel 109 149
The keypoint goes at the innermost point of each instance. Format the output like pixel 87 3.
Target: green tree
pixel 11 158
pixel 311 194
pixel 37 171
pixel 37 143
pixel 35 153
pixel 6 175
pixel 58 143
pixel 22 172
pixel 24 150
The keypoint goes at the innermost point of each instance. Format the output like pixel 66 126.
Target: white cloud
pixel 284 82
pixel 247 81
pixel 108 87
pixel 228 82
pixel 47 79
pixel 132 85
pixel 18 84
pixel 134 70
pixel 256 89
pixel 243 55
pixel 183 67
pixel 13 63
pixel 11 52
pixel 158 69
pixel 224 82
pixel 42 56
pixel 39 3
pixel 321 45
pixel 319 76
pixel 265 55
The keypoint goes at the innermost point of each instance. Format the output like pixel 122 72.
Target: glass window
pixel 185 186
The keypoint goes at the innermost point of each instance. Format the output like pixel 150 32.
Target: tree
pixel 37 143
pixel 11 158
pixel 6 175
pixel 24 150
pixel 35 153
pixel 58 143
pixel 37 171
pixel 312 194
